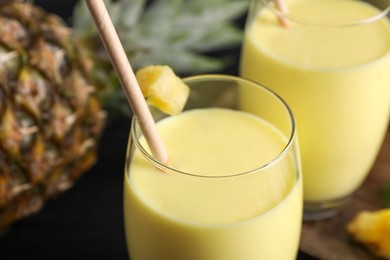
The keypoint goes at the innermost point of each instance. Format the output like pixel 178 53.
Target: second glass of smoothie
pixel 331 64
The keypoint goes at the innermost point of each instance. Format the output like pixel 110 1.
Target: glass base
pixel 313 211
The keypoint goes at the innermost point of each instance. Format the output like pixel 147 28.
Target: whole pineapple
pixel 50 118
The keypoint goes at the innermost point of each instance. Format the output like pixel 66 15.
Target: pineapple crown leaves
pixel 177 33
pixel 182 34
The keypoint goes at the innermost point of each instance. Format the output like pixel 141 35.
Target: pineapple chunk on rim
pixel 162 88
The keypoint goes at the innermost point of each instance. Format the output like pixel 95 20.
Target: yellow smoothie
pixel 220 216
pixel 336 81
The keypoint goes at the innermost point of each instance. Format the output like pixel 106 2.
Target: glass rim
pixel 168 168
pixel 383 12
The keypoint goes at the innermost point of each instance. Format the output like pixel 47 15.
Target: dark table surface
pixel 86 221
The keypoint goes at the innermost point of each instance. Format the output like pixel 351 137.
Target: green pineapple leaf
pixel 177 33
pixel 387 195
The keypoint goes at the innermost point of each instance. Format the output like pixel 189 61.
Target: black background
pixel 86 221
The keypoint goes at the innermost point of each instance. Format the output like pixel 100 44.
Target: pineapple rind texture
pixel 372 229
pixel 50 117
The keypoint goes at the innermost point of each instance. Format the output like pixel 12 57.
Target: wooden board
pixel 328 239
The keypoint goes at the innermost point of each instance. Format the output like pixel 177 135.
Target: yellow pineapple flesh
pixel 162 88
pixel 372 229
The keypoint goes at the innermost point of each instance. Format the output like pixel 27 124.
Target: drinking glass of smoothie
pixel 331 64
pixel 233 187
